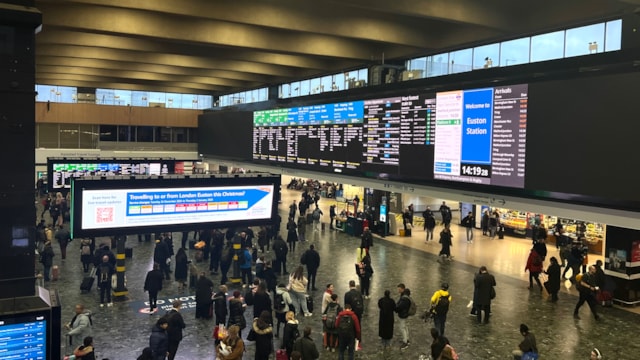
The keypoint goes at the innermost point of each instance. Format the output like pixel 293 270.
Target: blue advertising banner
pixel 476 126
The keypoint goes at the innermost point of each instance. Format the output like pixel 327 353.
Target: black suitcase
pixel 86 284
pixel 500 232
pixel 310 303
pixel 128 253
pixel 407 232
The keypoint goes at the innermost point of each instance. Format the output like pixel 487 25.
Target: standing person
pixel 153 284
pixel 587 288
pixel 245 258
pixel 366 239
pixel 236 312
pixel 446 243
pixel 406 220
pixel 311 259
pixel 440 302
pixel 306 346
pixel 290 333
pixel 220 305
pixel 263 239
pixel 46 259
pixel 297 285
pixel 484 283
pixel 282 305
pixel 204 290
pixel 469 223
pixel 429 223
pixel 302 228
pixel 386 319
pixel 176 324
pixel 161 256
pixel 270 277
pixel 64 237
pixel 332 215
pixel 355 300
pixel 364 272
pixel 557 232
pixel 233 344
pixel 484 223
pixel 553 284
pixel 411 211
pixel 86 254
pixel 493 224
pixel 262 301
pixel 217 244
pixel 281 250
pixel 445 212
pixel 182 269
pixel 402 308
pixel 85 351
pixel 159 340
pixel 534 266
pixel 329 315
pixel 293 208
pixel 105 272
pixel 356 202
pixel 80 325
pixel 226 257
pixel 263 335
pixel 326 297
pixel 527 345
pixel 348 327
pixel 316 215
pixel 292 234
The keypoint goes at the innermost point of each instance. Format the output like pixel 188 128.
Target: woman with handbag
pixel 262 333
pixel 236 312
pixel 297 290
pixel 232 347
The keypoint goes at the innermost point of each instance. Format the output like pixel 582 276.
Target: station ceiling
pixel 222 46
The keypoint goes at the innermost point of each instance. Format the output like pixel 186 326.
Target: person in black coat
pixel 217 244
pixel 311 259
pixel 174 332
pixel 220 307
pixel 292 234
pixel 387 308
pixel 262 301
pixel 270 277
pixel 553 284
pixel 204 288
pixel 46 258
pixel 160 256
pixel 366 240
pixel 281 250
pixel 364 270
pixel 159 340
pixel 153 284
pixel 263 336
pixel 182 269
pixel 445 241
pixel 236 312
pixel 484 283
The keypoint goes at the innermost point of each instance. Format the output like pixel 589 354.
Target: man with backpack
pixel 329 317
pixel 355 300
pixel 104 273
pixel 348 328
pixel 440 302
pixel 317 213
pixel 405 307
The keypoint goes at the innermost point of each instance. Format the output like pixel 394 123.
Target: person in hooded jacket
pixel 80 325
pixel 306 346
pixel 204 289
pixel 282 312
pixel 263 336
pixel 290 333
pixel 159 340
pixel 553 284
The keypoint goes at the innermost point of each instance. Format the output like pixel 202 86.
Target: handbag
pixel 252 335
pixel 530 355
pixel 493 293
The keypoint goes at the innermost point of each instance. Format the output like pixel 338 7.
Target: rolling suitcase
pixel 55 273
pixel 86 284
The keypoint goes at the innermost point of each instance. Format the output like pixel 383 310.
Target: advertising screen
pixel 130 206
pixel 23 337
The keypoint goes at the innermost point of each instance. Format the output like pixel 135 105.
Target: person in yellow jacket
pixel 440 302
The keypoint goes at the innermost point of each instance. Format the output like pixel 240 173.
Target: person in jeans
pixel 468 222
pixel 347 335
pixel 298 285
pixel 402 308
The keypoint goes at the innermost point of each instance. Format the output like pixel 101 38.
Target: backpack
pixel 316 214
pixel 346 327
pixel 104 273
pixel 85 250
pixel 443 305
pixel 357 303
pixel 332 313
pixel 279 304
pixel 413 308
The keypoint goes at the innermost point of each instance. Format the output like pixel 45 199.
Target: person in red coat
pixel 534 266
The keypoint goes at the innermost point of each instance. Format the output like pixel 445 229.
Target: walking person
pixel 159 340
pixel 302 228
pixel 174 332
pixel 553 283
pixel 182 269
pixel 364 272
pixel 534 266
pixel 311 259
pixel 386 318
pixel 105 272
pixel 440 302
pixel 281 250
pixel 80 326
pixel 348 327
pixel 469 223
pixel 46 259
pixel 429 223
pixel 354 298
pixel 306 346
pixel 153 285
pixel 297 285
pixel 484 283
pixel 329 315
pixel 587 288
pixel 332 215
pixel 86 254
pixel 316 215
pixel 446 243
pixel 64 238
pixel 204 290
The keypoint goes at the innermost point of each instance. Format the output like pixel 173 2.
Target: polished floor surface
pixel 122 331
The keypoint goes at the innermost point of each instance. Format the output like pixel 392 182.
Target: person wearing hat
pixel 440 302
pixel 596 354
pixel 527 345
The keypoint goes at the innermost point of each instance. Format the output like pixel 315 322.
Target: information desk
pixel 354 226
pixel 341 223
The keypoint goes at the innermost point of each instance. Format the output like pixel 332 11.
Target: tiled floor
pixel 122 331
